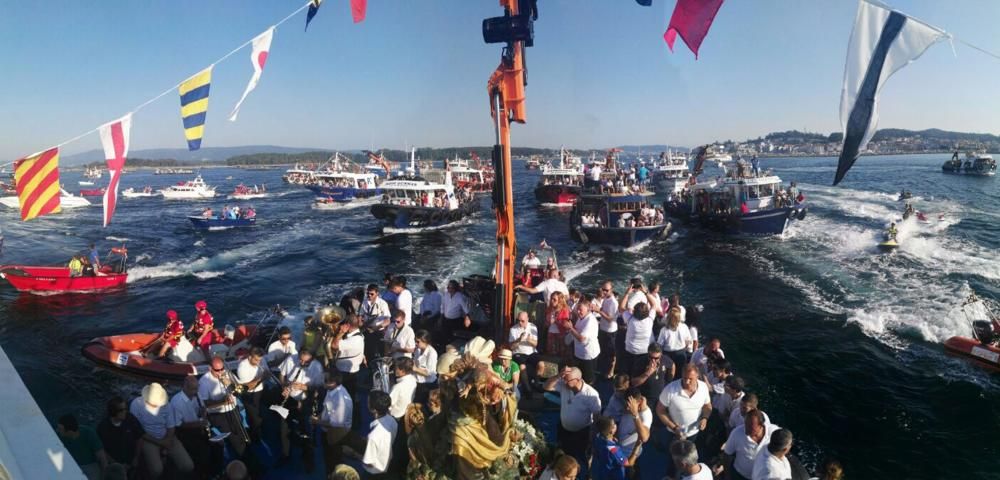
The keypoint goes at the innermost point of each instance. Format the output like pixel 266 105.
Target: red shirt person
pixel 203 326
pixel 172 333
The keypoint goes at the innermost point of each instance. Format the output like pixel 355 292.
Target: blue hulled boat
pixel 215 223
pixel 414 203
pixel 345 186
pixel 614 219
pixel 745 201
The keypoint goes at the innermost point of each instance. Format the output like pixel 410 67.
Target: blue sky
pixel 414 73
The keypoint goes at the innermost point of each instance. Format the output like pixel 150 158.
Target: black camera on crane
pixel 513 28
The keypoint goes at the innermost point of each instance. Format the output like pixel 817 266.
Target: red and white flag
pixel 261 48
pixel 114 139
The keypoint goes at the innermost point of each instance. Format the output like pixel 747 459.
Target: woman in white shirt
pixel 675 339
pixel 425 359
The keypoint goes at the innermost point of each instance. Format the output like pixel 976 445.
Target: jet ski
pixel 889 242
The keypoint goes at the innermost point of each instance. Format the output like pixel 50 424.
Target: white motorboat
pixel 93 173
pixel 66 200
pixel 190 190
pixel 85 183
pixel 144 193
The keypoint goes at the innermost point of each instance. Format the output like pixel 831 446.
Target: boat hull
pixel 619 237
pixel 557 194
pixel 51 280
pixel 344 194
pixel 247 196
pixel 123 354
pixel 762 223
pixel 186 195
pixel 201 223
pixel 984 355
pixel 402 217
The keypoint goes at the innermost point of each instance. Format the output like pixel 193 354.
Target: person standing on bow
pixel 203 326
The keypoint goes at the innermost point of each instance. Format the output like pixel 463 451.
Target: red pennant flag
pixel 358 10
pixel 114 139
pixel 691 20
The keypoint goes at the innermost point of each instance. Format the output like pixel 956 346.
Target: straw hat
pixel 505 354
pixel 481 348
pixel 154 394
pixel 445 361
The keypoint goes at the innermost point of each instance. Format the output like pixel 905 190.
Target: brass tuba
pixel 329 317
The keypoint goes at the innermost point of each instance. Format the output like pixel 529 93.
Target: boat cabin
pixel 418 192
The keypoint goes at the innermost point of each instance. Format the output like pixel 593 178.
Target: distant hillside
pixel 435 154
pixel 182 155
pixel 651 148
pixel 935 134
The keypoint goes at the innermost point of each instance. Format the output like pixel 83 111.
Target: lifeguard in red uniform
pixel 203 327
pixel 172 333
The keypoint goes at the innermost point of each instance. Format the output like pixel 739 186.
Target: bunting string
pixel 171 89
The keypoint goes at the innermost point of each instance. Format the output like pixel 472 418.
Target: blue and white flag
pixel 883 41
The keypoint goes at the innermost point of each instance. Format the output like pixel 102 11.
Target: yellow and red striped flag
pixel 37 181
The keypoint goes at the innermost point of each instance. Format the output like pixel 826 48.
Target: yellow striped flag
pixel 194 106
pixel 37 181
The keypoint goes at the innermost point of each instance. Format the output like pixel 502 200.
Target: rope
pixel 171 89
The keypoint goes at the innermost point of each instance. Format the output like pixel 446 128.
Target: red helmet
pixel 200 304
pixel 171 315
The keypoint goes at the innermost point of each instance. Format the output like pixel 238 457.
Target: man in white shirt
pixel 730 400
pixel 281 348
pixel 638 336
pixel 400 340
pixel 552 284
pixel 404 299
pixel 745 443
pixel 585 344
pixel 425 360
pixel 685 459
pixel 523 339
pixel 251 373
pixel 530 261
pixel 375 317
pixel 190 420
pixel 635 422
pixel 684 405
pixel 430 306
pixel 158 421
pixel 378 448
pixel 336 420
pixel 772 463
pixel 213 390
pixel 607 314
pixel 455 308
pixel 579 407
pixel 300 376
pixel 705 354
pixel 350 347
pixel 737 416
pixel 406 385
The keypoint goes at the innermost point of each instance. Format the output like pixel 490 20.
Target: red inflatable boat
pixel 981 350
pixel 93 192
pixel 126 354
pixel 48 280
pixel 983 354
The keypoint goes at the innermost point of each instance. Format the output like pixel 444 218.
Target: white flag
pixel 261 48
pixel 883 41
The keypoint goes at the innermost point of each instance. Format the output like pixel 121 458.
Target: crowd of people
pixel 672 391
pixel 230 213
pixel 615 178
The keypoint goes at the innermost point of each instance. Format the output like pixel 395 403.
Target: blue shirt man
pixel 94 257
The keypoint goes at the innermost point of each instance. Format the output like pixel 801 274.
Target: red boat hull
pixel 557 194
pixel 123 354
pixel 57 280
pixel 97 192
pixel 986 356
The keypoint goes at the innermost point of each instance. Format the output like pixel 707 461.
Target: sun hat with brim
pixel 505 354
pixel 445 361
pixel 154 394
pixel 481 349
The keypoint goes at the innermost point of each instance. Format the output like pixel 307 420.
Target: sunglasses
pixel 218 369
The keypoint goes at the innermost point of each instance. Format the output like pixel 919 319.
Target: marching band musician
pixel 375 316
pixel 203 326
pixel 213 390
pixel 349 344
pixel 251 374
pixel 336 420
pixel 281 348
pixel 300 375
pixel 192 426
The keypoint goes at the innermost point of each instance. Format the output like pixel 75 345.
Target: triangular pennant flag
pixel 691 20
pixel 114 139
pixel 883 41
pixel 358 10
pixel 258 56
pixel 194 106
pixel 37 181
pixel 313 9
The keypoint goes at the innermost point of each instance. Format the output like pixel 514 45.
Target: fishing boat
pixel 66 200
pixel 745 201
pixel 717 153
pixel 299 174
pixel 192 189
pixel 173 171
pixel 615 219
pixel 413 203
pixel 560 185
pixel 93 192
pixel 243 192
pixel 469 177
pixel 93 173
pixel 343 181
pixel 329 204
pixel 201 222
pixel 534 162
pixel 43 280
pixel 145 192
pixel 979 164
pixel 981 349
pixel 671 173
pixel 128 354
